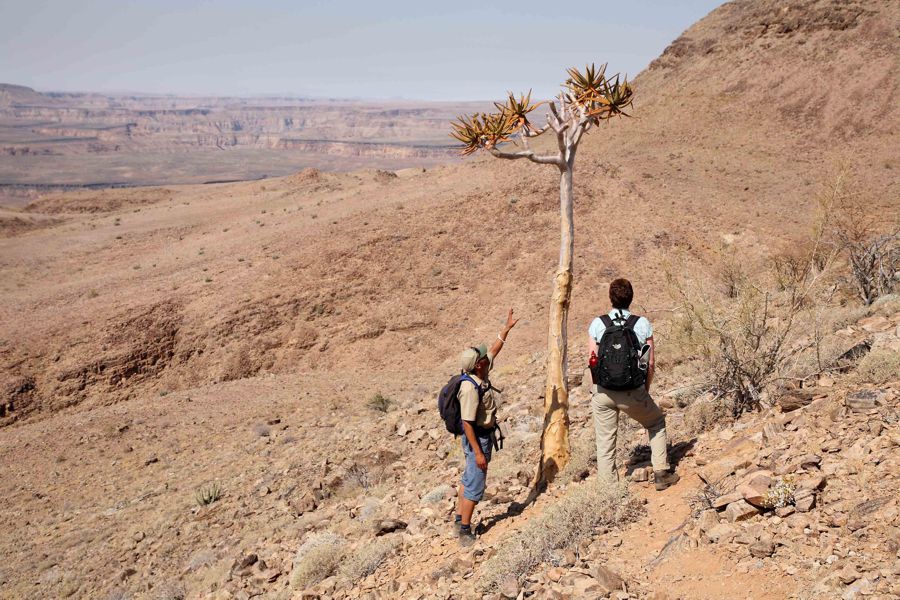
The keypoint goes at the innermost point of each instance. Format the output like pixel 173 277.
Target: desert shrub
pixel 855 231
pixel 169 591
pixel 380 403
pixel 731 272
pixel 706 412
pixel 747 340
pixel 262 430
pixel 435 495
pixel 317 558
pixel 582 459
pixel 781 493
pixel 878 367
pixel 118 593
pixel 563 525
pixel 366 559
pixel 208 494
pixel 359 476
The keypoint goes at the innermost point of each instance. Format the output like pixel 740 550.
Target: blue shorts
pixel 473 478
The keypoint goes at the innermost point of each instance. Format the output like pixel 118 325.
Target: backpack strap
pixel 632 321
pixel 607 322
pixel 467 377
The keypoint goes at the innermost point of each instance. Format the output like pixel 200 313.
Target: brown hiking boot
pixel 665 479
pixel 466 537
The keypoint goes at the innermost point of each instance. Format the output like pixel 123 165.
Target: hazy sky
pixel 417 49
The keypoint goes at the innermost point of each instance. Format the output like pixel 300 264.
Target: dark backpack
pixel 448 402
pixel 617 360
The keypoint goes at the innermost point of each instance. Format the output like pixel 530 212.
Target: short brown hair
pixel 620 293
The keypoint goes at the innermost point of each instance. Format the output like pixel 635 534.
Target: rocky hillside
pixel 314 490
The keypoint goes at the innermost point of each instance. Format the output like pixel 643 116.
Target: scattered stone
pixel 804 500
pixel 875 324
pixel 860 587
pixel 784 511
pixel 640 474
pixel 726 499
pixel 756 490
pixel 609 581
pixel 584 585
pixel 138 536
pixel 708 520
pixel 402 429
pixel 813 482
pixel 848 575
pixel 797 399
pixel 563 558
pixel 740 511
pixel 306 503
pixel 509 587
pixel 762 549
pixel 865 400
pixel 386 526
pixel 737 455
pixel 722 532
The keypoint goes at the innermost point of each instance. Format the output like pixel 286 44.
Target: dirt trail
pixel 683 573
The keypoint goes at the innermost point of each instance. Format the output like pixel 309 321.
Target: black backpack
pixel 619 354
pixel 448 402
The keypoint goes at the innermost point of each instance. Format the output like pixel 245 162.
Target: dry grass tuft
pixel 366 559
pixel 878 367
pixel 317 558
pixel 563 525
pixel 582 461
pixel 707 412
pixel 380 403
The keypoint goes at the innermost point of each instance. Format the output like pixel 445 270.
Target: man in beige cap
pixel 478 409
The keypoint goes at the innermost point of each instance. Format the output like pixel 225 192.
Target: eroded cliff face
pixel 40 133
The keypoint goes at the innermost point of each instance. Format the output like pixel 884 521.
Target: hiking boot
pixel 466 537
pixel 665 479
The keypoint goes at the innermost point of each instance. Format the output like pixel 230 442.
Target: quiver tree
pixel 588 97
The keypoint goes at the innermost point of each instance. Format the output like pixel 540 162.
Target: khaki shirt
pixel 483 413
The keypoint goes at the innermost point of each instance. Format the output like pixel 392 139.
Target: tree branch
pixel 530 155
pixel 531 134
pixel 583 125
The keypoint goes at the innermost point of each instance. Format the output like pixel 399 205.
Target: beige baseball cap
pixel 470 356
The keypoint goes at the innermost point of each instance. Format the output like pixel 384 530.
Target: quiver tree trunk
pixel 555 436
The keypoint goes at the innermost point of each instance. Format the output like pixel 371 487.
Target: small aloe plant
pixel 208 494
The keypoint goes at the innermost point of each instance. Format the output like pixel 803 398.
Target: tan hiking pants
pixel 638 405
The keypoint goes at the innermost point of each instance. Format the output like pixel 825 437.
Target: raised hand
pixel 510 321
